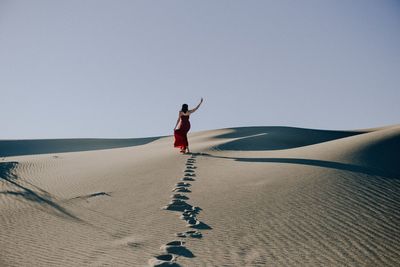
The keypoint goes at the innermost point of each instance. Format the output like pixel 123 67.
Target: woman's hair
pixel 185 108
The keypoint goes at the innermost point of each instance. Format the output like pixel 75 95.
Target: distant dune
pixel 45 146
pixel 249 196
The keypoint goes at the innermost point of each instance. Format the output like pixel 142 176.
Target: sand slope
pixel 266 196
pixel 44 146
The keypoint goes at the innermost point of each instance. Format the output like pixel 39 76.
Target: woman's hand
pixel 196 108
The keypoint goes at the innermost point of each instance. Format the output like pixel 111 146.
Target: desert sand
pixel 252 196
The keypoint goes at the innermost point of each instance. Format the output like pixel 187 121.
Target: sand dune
pixel 45 146
pixel 253 196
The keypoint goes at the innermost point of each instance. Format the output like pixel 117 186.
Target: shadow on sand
pixel 318 163
pixel 379 157
pixel 276 137
pixel 41 197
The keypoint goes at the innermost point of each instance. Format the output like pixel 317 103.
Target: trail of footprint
pixel 189 213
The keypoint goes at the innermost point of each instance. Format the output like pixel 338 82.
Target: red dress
pixel 180 134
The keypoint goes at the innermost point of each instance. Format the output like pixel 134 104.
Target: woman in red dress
pixel 182 127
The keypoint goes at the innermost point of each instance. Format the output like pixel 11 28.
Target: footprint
pixel 189 212
pixel 191 233
pixel 200 225
pixel 192 222
pixel 183 184
pixel 163 260
pixel 175 243
pixel 181 190
pixel 179 196
pixel 194 234
pixel 178 205
pixel 177 248
pixel 187 216
pixel 193 209
pixel 191 167
pixel 188 179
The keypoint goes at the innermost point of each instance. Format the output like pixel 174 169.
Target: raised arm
pixel 196 108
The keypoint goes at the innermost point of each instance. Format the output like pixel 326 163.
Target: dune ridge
pixel 44 146
pixel 274 196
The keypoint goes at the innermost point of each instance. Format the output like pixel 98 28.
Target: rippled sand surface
pixel 256 196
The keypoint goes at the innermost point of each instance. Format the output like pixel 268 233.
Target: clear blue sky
pixel 98 68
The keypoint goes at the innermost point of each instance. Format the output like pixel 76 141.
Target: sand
pixel 255 196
